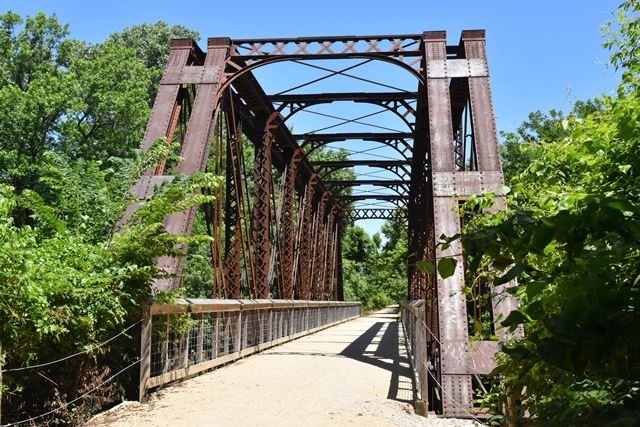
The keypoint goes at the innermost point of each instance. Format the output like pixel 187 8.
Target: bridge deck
pixel 355 373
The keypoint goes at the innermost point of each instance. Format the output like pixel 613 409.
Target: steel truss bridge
pixel 278 232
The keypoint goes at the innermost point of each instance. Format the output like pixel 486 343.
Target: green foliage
pixel 150 45
pixel 540 128
pixel 72 115
pixel 571 236
pixel 69 104
pixel 375 276
pixel 622 38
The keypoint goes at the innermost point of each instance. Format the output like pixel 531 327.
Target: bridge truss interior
pixel 278 218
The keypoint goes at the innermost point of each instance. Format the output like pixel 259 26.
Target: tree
pixel 375 274
pixel 571 236
pixel 72 115
pixel 150 44
pixel 65 106
pixel 518 148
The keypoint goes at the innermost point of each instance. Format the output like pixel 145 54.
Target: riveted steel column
pixel 338 279
pixel 330 257
pixel 261 222
pixel 233 212
pixel 162 120
pixel 455 381
pixel 320 246
pixel 306 236
pixel 195 149
pixel 417 211
pixel 288 224
pixel 486 145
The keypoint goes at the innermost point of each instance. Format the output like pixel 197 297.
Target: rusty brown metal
pixel 320 247
pixel 452 315
pixel 306 233
pixel 233 209
pixel 262 209
pixel 330 254
pixel 292 247
pixel 288 225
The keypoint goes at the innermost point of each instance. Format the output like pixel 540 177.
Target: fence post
pixel 200 338
pixel 239 331
pixel 145 351
pixel 421 353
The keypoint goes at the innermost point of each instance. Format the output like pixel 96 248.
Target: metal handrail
pixel 191 336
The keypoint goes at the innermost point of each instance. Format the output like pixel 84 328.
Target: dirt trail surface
pixel 353 374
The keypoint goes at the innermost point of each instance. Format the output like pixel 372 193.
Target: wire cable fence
pixel 195 335
pixel 66 404
pixel 62 359
pixel 417 337
pixel 71 356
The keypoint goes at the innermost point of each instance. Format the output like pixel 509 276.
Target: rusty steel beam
pixel 339 272
pixel 233 216
pixel 330 254
pixel 288 226
pixel 261 220
pixel 195 148
pixel 344 96
pixel 486 147
pixel 383 197
pixel 353 163
pixel 366 136
pixel 373 182
pixel 306 235
pixel 351 215
pixel 319 247
pixel 454 336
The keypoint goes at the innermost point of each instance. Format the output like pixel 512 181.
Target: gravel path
pixel 353 374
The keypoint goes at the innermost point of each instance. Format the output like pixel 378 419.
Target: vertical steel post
pixel 319 248
pixel 330 255
pixel 339 284
pixel 195 149
pixel 485 137
pixel 233 208
pixel 261 221
pixel 417 209
pixel 456 382
pixel 305 247
pixel 145 351
pixel 288 224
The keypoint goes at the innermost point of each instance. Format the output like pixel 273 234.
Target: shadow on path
pixel 384 353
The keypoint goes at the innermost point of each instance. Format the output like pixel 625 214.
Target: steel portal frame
pixel 282 231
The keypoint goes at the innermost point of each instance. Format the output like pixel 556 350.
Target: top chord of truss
pixel 403 45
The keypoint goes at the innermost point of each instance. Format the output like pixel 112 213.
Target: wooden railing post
pixel 145 351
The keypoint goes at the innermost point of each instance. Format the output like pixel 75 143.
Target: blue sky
pixel 542 54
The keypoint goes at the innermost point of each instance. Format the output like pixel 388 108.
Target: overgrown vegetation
pixel 375 273
pixel 571 236
pixel 71 118
pixel 72 115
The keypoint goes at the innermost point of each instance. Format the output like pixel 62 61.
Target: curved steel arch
pixel 390 169
pixel 243 69
pixel 302 106
pixel 320 144
pixel 394 189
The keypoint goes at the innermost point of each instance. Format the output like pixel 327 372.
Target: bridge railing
pixel 415 332
pixel 194 335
